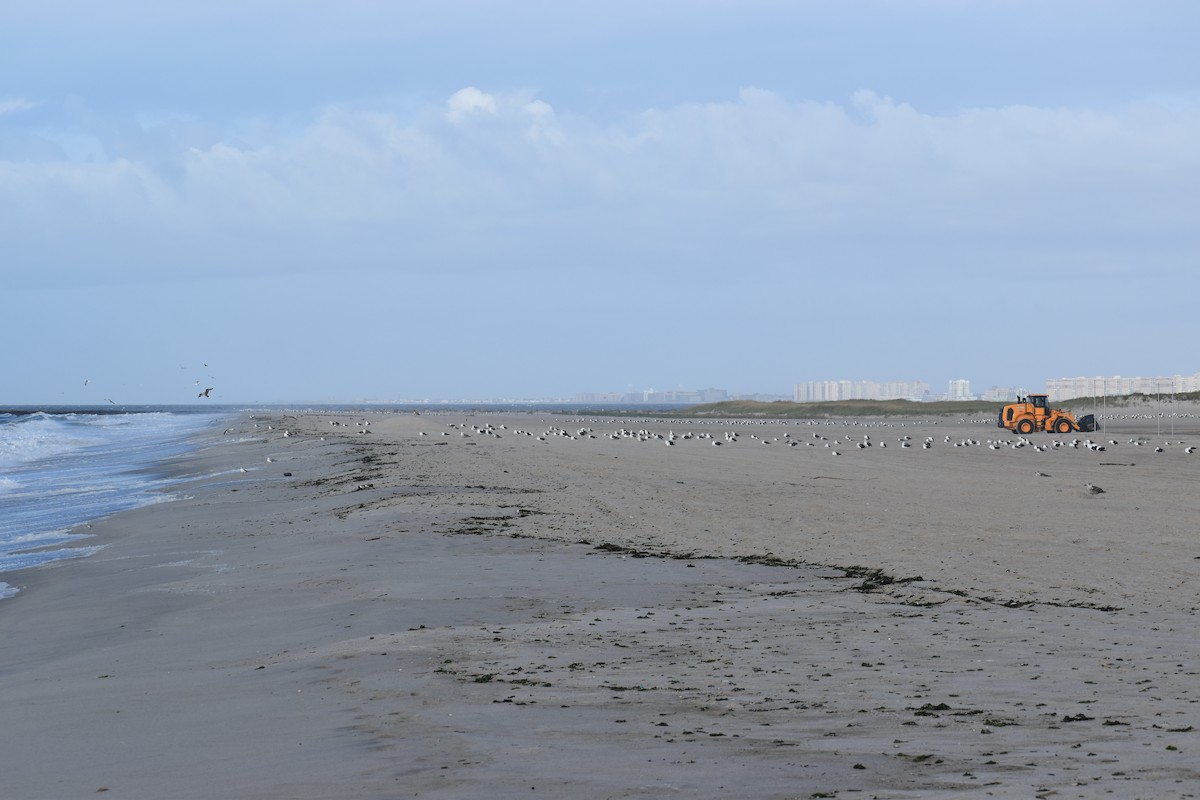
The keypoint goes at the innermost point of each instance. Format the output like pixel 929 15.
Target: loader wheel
pixel 1062 426
pixel 1025 426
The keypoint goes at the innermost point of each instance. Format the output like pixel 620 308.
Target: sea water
pixel 60 468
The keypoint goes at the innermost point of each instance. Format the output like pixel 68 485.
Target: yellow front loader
pixel 1033 413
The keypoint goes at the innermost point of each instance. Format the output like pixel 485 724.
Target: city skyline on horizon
pixel 959 389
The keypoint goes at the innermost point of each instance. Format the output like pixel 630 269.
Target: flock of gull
pixel 743 433
pixel 835 444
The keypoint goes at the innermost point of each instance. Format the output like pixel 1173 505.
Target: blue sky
pixel 534 199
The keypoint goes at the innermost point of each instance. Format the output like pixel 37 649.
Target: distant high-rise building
pixel 1068 388
pixel 599 397
pixel 825 391
pixel 1000 394
pixel 960 389
pixel 652 396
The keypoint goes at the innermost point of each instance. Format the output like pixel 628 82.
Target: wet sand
pixel 498 606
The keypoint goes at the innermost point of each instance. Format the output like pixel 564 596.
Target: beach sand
pixel 493 606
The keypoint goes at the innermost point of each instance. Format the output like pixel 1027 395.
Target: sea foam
pixel 60 470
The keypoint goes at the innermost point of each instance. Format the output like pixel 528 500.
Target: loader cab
pixel 1039 401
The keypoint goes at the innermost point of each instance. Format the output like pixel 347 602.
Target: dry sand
pixel 493 606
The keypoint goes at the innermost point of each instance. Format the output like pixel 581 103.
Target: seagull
pixel 1042 475
pixel 205 393
pixel 1093 489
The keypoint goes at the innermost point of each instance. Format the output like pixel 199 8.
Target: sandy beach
pixel 381 605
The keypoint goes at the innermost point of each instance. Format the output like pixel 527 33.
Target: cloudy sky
pixel 334 202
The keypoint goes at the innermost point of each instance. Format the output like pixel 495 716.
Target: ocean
pixel 60 468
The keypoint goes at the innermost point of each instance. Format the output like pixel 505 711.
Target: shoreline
pixel 473 616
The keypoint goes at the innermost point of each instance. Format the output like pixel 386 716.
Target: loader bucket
pixel 1087 423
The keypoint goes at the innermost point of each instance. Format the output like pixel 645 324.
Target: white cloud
pixel 543 126
pixel 13 105
pixel 757 177
pixel 469 101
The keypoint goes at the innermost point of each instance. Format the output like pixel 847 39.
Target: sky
pixel 314 202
